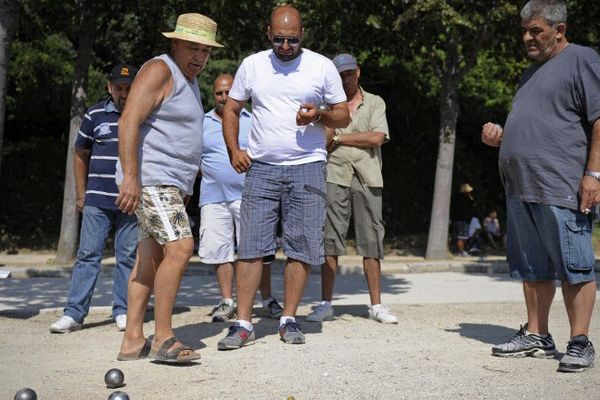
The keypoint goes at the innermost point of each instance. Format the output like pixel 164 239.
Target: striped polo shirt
pixel 99 133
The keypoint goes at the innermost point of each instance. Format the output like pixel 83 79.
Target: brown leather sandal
pixel 143 353
pixel 174 356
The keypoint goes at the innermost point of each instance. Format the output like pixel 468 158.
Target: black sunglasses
pixel 292 41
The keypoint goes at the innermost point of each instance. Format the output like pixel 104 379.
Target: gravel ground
pixel 437 351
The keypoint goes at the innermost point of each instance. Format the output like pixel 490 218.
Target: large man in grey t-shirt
pixel 550 167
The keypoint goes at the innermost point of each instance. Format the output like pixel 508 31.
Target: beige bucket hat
pixel 465 188
pixel 196 28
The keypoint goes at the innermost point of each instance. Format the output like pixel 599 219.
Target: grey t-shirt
pixel 547 133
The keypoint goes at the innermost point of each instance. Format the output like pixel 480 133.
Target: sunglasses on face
pixel 292 41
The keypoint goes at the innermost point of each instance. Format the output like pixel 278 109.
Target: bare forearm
pixel 80 169
pixel 337 117
pixel 362 140
pixel 129 134
pixel 231 128
pixel 593 163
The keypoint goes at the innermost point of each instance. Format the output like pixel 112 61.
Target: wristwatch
pixel 336 139
pixel 593 174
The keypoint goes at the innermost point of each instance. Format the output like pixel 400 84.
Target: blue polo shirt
pixel 220 182
pixel 99 133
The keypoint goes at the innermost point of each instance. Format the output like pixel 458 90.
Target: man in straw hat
pixel 285 164
pixel 159 157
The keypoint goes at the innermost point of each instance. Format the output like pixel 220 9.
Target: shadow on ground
pixel 485 333
pixel 24 298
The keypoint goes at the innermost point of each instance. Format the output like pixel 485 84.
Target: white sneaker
pixel 323 312
pixel 381 313
pixel 121 321
pixel 64 325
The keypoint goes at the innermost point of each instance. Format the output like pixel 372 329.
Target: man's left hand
pixel 307 114
pixel 589 192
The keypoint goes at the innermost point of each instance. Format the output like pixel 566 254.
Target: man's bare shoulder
pixel 154 71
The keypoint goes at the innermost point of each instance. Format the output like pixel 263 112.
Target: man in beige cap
pixel 159 157
pixel 355 191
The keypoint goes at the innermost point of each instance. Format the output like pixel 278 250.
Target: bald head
pixel 221 87
pixel 286 15
pixel 223 78
pixel 285 32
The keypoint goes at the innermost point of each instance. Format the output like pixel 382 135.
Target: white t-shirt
pixel 277 90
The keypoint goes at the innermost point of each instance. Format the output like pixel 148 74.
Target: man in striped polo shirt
pixel 96 154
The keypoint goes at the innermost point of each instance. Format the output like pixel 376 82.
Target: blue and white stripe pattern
pixel 99 133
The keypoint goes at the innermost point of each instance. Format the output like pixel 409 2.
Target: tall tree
pixel 8 27
pixel 67 242
pixel 449 36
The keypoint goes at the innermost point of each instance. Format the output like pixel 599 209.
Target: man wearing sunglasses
pixel 285 165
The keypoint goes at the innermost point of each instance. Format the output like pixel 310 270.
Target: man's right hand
pixel 240 161
pixel 491 134
pixel 79 202
pixel 129 195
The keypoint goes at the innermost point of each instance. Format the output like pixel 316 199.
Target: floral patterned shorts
pixel 161 214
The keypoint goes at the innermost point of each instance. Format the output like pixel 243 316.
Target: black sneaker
pixel 523 345
pixel 579 356
pixel 291 332
pixel 273 310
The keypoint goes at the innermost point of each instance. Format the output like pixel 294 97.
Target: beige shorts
pixel 161 214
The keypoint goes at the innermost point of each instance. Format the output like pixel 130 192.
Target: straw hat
pixel 195 28
pixel 465 188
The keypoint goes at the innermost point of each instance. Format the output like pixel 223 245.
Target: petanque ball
pixel 114 378
pixel 26 394
pixel 118 395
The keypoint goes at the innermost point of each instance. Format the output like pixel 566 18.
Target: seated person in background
pixel 491 227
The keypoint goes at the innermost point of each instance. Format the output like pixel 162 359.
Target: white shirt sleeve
pixel 334 91
pixel 241 90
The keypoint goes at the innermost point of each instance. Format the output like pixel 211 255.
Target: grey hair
pixel 553 11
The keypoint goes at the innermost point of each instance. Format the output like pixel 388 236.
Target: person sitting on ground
pixel 492 231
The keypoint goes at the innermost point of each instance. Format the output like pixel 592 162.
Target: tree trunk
pixel 67 243
pixel 437 242
pixel 8 26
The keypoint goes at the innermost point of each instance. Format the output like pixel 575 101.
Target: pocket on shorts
pixel 579 251
pixel 314 190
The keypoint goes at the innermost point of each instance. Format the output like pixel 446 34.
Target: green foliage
pixel 40 80
pixel 404 48
pixel 31 186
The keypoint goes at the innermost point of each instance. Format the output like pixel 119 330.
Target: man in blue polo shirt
pixel 220 199
pixel 96 154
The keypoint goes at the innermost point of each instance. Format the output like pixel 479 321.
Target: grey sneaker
pixel 237 337
pixel 323 312
pixel 523 345
pixel 272 310
pixel 223 312
pixel 579 356
pixel 291 332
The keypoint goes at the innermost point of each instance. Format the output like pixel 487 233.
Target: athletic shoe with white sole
pixel 323 312
pixel 236 337
pixel 382 314
pixel 524 344
pixel 65 324
pixel 579 356
pixel 223 312
pixel 121 321
pixel 291 332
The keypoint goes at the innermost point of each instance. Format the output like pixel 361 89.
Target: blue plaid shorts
pixel 293 194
